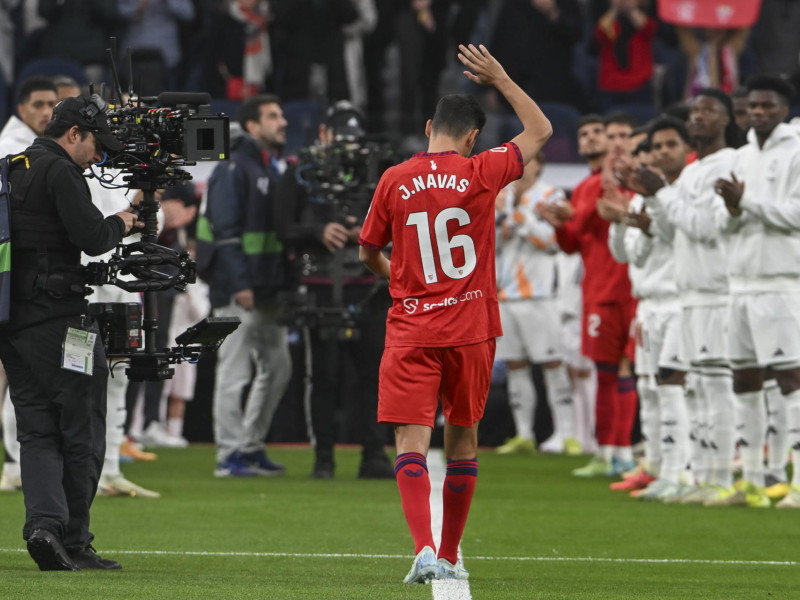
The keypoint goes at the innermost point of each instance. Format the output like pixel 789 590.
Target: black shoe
pixel 323 469
pixel 49 553
pixel 88 559
pixel 376 468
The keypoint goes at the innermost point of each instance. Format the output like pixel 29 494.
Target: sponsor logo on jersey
pixel 499 149
pixel 410 304
pixel 453 300
pixel 433 165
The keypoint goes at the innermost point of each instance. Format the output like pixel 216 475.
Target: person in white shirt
pixel 647 247
pixel 701 273
pixel 526 284
pixel 762 214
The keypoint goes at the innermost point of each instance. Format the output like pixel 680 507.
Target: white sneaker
pixel 424 568
pixel 552 445
pixel 9 480
pixel 117 485
pixel 157 435
pixel 447 570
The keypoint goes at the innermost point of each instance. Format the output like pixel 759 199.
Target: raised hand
pixel 483 67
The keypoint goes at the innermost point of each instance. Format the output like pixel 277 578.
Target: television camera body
pixel 160 136
pixel 340 179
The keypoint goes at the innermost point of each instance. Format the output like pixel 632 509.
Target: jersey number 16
pixel 444 243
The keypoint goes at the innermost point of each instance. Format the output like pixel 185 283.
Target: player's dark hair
pixel 739 92
pixel 643 146
pixel 677 110
pixel 771 83
pixel 456 115
pixel 250 109
pixel 663 123
pixel 34 83
pixel 734 137
pixel 590 119
pixel 620 118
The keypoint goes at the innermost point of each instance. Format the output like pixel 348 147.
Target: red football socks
pixel 606 409
pixel 459 485
pixel 411 471
pixel 627 403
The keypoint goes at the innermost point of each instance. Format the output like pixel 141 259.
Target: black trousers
pixel 61 428
pixel 328 366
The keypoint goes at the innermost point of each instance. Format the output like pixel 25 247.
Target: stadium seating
pixel 641 112
pixel 53 66
pixel 303 117
pixel 225 106
pixel 563 146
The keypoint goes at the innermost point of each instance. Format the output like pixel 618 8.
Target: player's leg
pixel 542 340
pixel 11 479
pixel 778 448
pixel 582 381
pixel 519 379
pixel 627 400
pixel 790 386
pixel 407 399
pixel 777 341
pixel 596 319
pixel 464 388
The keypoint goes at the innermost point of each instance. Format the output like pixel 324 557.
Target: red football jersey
pixel 438 210
pixel 605 281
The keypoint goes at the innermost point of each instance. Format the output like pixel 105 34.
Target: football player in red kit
pixel 437 209
pixel 608 307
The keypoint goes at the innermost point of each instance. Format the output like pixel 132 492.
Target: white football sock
pixel 10 429
pixel 584 391
pixel 674 432
pixel 115 423
pixel 793 432
pixel 721 436
pixel 651 423
pixel 751 429
pixel 777 440
pixel 700 453
pixel 522 399
pixel 559 393
pixel 175 426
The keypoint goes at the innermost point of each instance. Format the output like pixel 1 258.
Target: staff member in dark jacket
pixel 236 236
pixel 55 361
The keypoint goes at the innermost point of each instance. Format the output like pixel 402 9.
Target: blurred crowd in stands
pixel 392 58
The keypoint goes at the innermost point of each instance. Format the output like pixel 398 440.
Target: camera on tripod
pixel 158 137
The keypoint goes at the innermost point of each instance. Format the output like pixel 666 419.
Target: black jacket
pixel 53 220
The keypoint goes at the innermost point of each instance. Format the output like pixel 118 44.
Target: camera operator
pixel 36 98
pixel 309 225
pixel 56 369
pixel 236 238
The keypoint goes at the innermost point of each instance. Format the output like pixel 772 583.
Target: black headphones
pixel 95 106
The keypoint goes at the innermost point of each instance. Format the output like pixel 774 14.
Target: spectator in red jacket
pixel 625 35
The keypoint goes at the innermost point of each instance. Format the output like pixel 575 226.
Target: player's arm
pixel 375 261
pixel 485 69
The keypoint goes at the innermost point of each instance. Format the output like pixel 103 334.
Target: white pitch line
pixel 597 559
pixel 442 589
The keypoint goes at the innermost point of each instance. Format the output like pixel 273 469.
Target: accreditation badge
pixel 77 350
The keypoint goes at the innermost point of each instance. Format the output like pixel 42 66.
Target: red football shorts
pixel 607 331
pixel 413 379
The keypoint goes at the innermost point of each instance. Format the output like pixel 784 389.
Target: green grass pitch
pixel 534 532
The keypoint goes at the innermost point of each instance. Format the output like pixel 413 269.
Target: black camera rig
pixel 339 179
pixel 160 136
